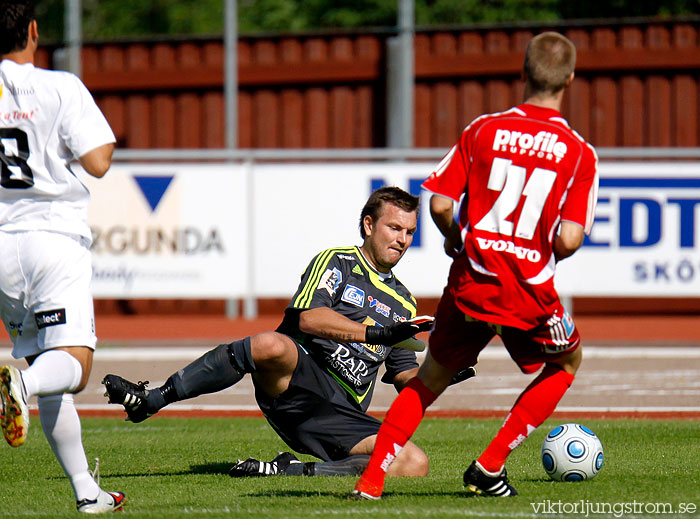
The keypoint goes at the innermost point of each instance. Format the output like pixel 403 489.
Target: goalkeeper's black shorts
pixel 314 415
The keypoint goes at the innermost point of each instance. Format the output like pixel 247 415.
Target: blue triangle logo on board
pixel 153 188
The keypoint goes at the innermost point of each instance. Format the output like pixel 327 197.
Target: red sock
pixel 401 421
pixel 532 408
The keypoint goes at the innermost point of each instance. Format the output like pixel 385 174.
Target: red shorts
pixel 457 339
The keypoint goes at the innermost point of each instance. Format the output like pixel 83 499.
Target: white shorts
pixel 45 295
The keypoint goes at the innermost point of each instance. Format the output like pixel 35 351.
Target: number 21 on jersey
pixel 509 180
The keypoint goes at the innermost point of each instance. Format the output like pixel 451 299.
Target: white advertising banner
pixel 169 231
pixel 230 231
pixel 302 209
pixel 646 237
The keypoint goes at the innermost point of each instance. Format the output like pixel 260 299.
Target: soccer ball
pixel 572 452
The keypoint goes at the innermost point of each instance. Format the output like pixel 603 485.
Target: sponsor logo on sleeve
pixel 50 318
pixel 379 307
pixel 330 281
pixel 398 318
pixel 354 296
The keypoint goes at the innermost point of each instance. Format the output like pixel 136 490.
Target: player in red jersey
pixel 528 187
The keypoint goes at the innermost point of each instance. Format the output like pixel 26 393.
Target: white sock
pixel 53 372
pixel 61 424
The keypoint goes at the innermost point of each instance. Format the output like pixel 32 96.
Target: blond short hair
pixel 550 59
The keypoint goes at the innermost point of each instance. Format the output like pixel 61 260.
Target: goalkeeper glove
pixel 397 332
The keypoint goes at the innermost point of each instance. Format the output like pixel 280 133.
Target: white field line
pixel 491 353
pixel 563 409
pixel 362 512
pixel 494 353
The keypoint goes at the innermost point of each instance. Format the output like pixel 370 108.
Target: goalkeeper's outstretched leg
pixel 269 355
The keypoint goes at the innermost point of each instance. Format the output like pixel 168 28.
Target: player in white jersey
pixel 47 118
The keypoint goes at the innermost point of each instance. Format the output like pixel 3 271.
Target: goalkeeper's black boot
pixel 256 468
pixel 477 481
pixel 139 403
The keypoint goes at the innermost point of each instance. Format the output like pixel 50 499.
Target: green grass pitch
pixel 173 467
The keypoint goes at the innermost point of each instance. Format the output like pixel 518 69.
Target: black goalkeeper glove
pixel 397 332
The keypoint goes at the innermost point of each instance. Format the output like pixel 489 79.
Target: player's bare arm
pixel 442 212
pixel 97 161
pixel 568 241
pixel 329 324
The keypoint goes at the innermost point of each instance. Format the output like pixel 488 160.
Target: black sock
pixel 352 466
pixel 217 369
pixel 167 392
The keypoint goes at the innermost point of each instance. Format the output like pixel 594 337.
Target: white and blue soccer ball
pixel 572 452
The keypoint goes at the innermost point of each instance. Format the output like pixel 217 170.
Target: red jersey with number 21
pixel 518 174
